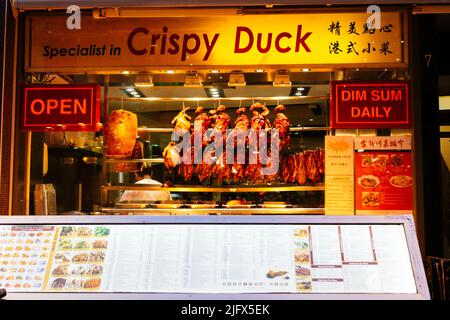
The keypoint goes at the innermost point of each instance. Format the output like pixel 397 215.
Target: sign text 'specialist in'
pixel 370 104
pixel 324 39
pixel 61 107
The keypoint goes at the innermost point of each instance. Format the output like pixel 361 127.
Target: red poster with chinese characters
pixel 383 182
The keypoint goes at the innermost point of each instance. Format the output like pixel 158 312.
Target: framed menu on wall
pixel 383 175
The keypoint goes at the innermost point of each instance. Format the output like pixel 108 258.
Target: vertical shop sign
pixel 383 175
pixel 339 176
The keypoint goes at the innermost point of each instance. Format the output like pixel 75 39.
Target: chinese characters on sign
pixel 358 43
pixel 384 143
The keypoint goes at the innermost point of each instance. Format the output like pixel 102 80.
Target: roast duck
pixel 241 125
pixel 201 124
pixel 171 153
pixel 282 123
pixel 301 168
pixel 182 121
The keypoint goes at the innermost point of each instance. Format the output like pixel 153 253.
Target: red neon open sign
pixel 74 107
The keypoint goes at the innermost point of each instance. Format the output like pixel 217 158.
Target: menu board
pixel 383 182
pixel 206 259
pixel 24 255
pixel 339 175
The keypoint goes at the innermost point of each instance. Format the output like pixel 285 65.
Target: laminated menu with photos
pixel 206 259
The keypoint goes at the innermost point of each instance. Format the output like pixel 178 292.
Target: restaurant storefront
pixel 259 112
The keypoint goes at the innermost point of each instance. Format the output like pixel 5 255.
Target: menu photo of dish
pixel 302 260
pixel 24 253
pixel 78 260
pixel 383 181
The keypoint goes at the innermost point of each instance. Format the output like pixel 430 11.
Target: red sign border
pixel 334 121
pixel 95 92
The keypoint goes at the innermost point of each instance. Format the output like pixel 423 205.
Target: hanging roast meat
pixel 253 173
pixel 301 170
pixel 292 164
pixel 221 170
pixel 282 124
pixel 182 121
pixel 320 163
pixel 241 125
pixel 171 155
pixel 221 120
pixel 186 170
pixel 311 167
pixel 285 170
pixel 128 166
pixel 258 121
pixel 120 134
pixel 201 124
pixel 204 169
pixel 237 171
pixel 269 178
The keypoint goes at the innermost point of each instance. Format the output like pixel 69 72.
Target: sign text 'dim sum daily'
pixel 361 105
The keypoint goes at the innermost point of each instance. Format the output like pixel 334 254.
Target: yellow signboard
pixel 323 39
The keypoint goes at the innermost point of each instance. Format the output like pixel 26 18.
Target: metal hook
pixel 219 101
pixel 198 103
pixel 121 106
pixel 183 104
pixel 240 103
pixel 278 102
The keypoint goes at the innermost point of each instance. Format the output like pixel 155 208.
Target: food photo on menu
pixel 79 255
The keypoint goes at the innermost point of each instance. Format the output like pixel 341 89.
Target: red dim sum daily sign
pixel 357 105
pixel 61 107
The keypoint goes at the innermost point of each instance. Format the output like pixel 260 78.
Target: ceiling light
pixel 144 80
pixel 215 92
pixel 259 70
pixel 170 71
pixel 236 79
pixel 282 79
pixel 306 69
pixel 193 80
pixel 311 119
pixel 133 93
pixel 125 72
pixel 299 91
pixel 214 71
